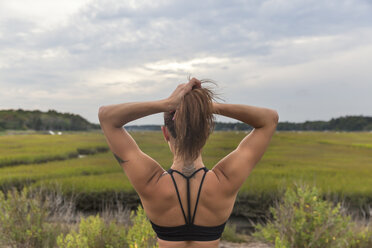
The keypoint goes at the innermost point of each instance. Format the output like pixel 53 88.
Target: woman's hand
pixel 182 89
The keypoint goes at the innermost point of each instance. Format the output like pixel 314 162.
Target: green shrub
pixel 279 243
pixel 229 234
pixel 363 236
pixel 303 219
pixel 22 220
pixel 94 233
pixel 141 234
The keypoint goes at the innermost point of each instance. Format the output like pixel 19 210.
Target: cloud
pixel 272 52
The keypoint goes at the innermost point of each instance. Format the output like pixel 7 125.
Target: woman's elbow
pixel 275 116
pixel 101 113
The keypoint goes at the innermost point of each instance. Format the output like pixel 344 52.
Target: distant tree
pixel 37 120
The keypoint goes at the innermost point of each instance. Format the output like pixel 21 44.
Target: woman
pixel 171 198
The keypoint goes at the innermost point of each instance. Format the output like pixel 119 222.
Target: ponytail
pixel 193 123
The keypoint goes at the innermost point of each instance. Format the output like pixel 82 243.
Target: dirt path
pixel 225 244
pixel 250 243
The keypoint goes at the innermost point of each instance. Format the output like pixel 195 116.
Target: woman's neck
pixel 187 168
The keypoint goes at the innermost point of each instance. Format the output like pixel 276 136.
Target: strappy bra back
pixel 188 231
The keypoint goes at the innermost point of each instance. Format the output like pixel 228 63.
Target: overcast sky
pixel 309 60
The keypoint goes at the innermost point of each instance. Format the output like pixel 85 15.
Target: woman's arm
pixel 141 170
pixel 234 169
pixel 120 114
pixel 117 115
pixel 254 116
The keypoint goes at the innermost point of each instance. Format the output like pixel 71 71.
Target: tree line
pixel 347 123
pixel 52 120
pixel 38 120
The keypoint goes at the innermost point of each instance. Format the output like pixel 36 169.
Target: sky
pixel 307 59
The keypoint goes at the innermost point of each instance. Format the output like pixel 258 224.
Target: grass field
pixel 37 148
pixel 337 162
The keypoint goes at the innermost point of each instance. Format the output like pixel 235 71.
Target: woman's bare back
pixel 213 208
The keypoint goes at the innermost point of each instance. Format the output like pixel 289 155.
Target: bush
pixel 94 233
pixel 229 234
pixel 363 235
pixel 141 233
pixel 22 220
pixel 303 219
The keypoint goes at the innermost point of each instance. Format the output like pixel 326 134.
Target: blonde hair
pixel 193 123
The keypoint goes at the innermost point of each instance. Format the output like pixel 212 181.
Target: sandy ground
pixel 250 243
pixel 224 244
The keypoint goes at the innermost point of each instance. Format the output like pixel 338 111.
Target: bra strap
pixel 202 168
pixel 188 200
pixel 197 199
pixel 178 194
pixel 170 171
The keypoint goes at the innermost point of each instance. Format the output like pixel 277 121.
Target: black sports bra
pixel 188 231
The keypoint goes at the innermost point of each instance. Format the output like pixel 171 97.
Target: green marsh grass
pixel 82 168
pixel 338 163
pixel 38 148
